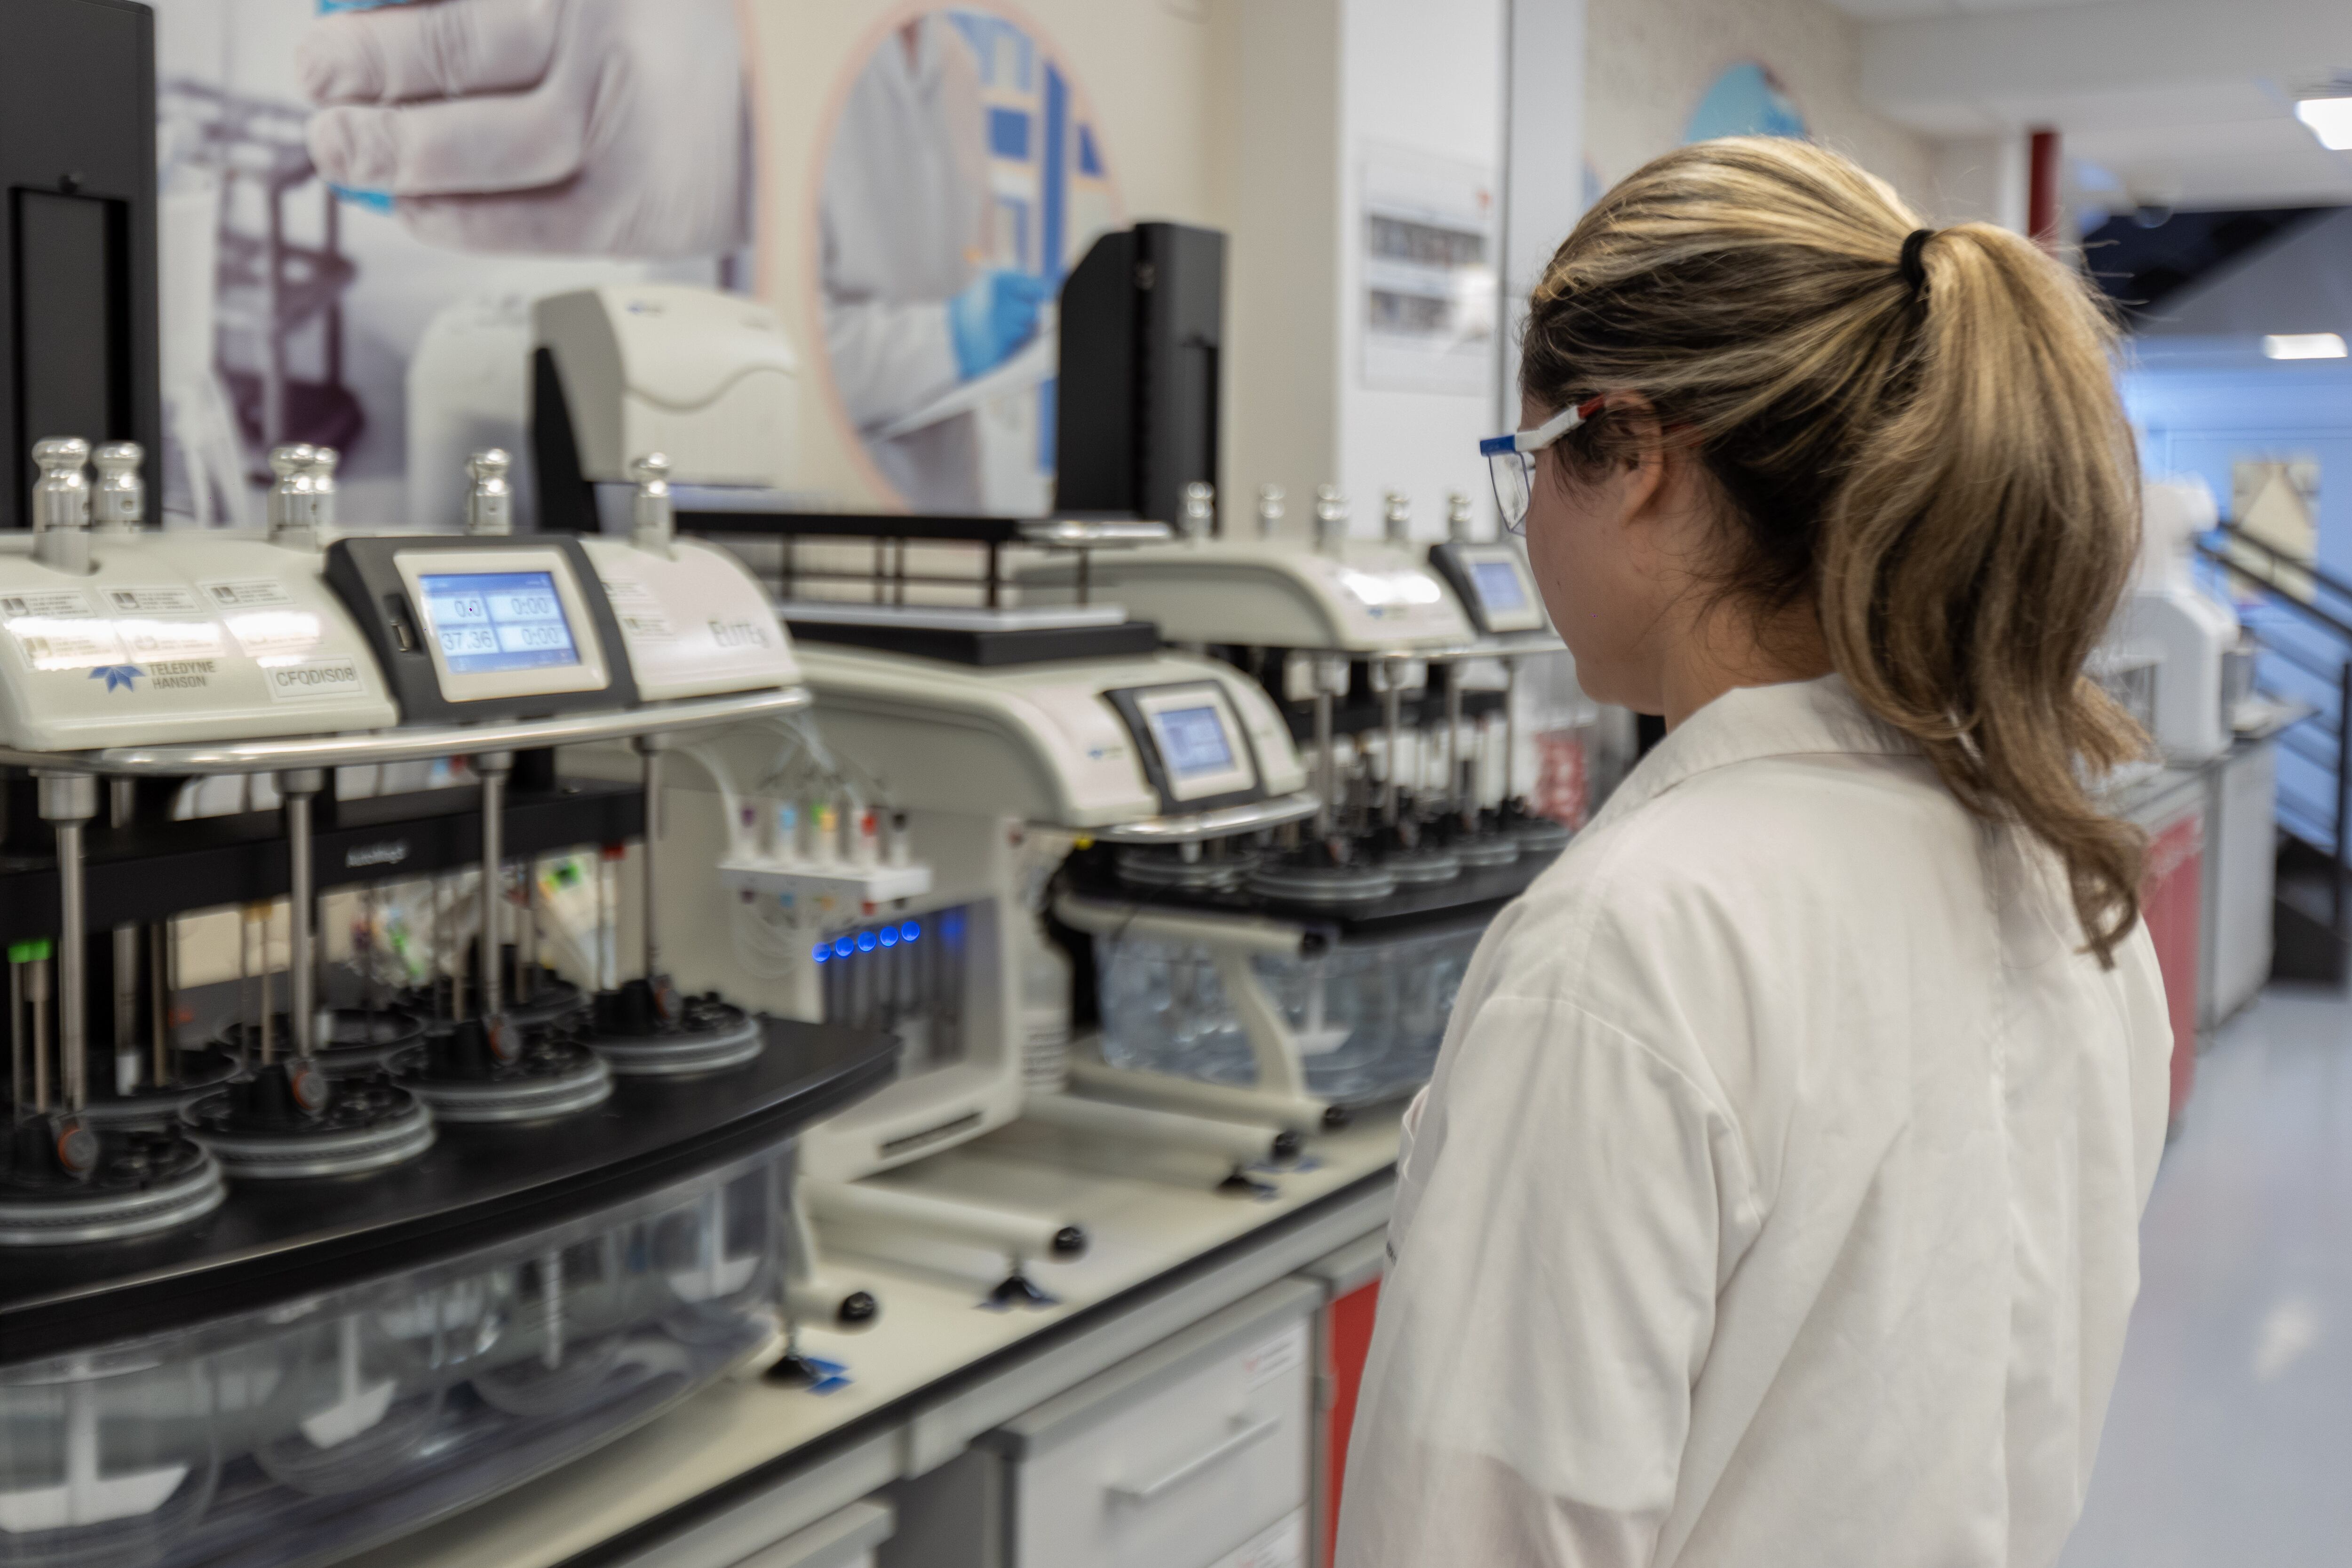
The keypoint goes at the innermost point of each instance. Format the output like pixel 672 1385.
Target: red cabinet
pixel 2172 899
pixel 1348 1340
pixel 1343 1338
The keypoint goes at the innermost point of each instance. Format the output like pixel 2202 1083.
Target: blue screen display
pixel 488 622
pixel 1194 740
pixel 1498 585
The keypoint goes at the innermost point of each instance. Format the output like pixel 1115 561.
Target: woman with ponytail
pixel 1775 1201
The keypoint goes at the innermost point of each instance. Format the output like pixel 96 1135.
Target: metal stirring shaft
pixel 491 768
pixel 121 795
pixel 649 748
pixel 297 787
pixel 67 802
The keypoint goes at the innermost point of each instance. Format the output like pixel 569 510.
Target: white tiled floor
pixel 2230 1440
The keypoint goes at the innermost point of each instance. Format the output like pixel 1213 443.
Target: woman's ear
pixel 1641 442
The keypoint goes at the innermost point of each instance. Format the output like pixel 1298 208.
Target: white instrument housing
pixel 179 636
pixel 1370 597
pixel 1041 742
pixel 695 623
pixel 709 380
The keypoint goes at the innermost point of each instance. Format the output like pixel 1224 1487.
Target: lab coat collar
pixel 1797 719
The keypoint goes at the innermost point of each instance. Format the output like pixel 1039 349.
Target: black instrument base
pixel 546 1077
pixel 474 1187
pixel 1421 868
pixel 1148 869
pixel 133 1182
pixel 985 649
pixel 260 1133
pixel 643 1031
pixel 1313 879
pixel 1472 897
pixel 1487 849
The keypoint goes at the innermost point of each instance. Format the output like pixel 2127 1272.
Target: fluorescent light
pixel 2330 119
pixel 2303 345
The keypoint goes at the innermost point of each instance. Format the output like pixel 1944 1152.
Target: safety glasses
pixel 1511 459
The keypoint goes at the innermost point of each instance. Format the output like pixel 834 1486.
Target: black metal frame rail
pixel 151 871
pixel 890 534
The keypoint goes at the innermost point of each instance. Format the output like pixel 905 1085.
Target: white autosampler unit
pixel 708 378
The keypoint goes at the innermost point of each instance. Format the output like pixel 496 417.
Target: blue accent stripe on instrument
pixel 1054 174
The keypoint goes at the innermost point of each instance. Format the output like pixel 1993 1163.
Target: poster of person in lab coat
pixel 961 179
pixel 360 198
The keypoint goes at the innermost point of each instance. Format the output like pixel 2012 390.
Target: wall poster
pixel 362 199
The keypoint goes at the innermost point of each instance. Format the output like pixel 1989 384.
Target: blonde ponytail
pixel 1925 442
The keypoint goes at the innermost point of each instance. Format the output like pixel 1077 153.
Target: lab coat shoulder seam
pixel 1708 1102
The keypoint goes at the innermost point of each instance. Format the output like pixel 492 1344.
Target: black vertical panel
pixel 70 338
pixel 1182 327
pixel 1141 322
pixel 565 500
pixel 1094 407
pixel 78 303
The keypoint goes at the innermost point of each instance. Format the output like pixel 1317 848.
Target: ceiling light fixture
pixel 2330 119
pixel 2303 345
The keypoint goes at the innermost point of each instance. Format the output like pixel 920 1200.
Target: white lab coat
pixel 905 219
pixel 1775 1199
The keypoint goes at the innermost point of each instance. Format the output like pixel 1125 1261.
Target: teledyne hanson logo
pixel 118 675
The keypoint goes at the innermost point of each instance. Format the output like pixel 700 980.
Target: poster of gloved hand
pixel 361 200
pixel 961 179
pixel 359 203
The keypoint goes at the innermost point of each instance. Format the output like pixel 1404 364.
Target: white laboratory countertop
pixel 1149 1213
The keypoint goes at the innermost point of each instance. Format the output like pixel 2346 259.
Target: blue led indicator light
pixel 909 931
pixel 866 941
pixel 844 947
pixel 889 936
pixel 823 951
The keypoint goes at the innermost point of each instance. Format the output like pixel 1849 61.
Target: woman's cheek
pixel 1552 554
pixel 1583 598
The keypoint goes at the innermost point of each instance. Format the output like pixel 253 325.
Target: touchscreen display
pixel 1193 739
pixel 489 622
pixel 1498 585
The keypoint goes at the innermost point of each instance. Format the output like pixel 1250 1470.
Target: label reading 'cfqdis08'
pixel 310 679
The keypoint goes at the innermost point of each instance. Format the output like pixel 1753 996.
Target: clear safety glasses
pixel 1511 459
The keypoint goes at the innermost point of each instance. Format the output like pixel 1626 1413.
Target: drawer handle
pixel 1257 1432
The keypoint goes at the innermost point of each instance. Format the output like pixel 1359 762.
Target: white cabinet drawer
pixel 1284 1546
pixel 845 1540
pixel 1192 1455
